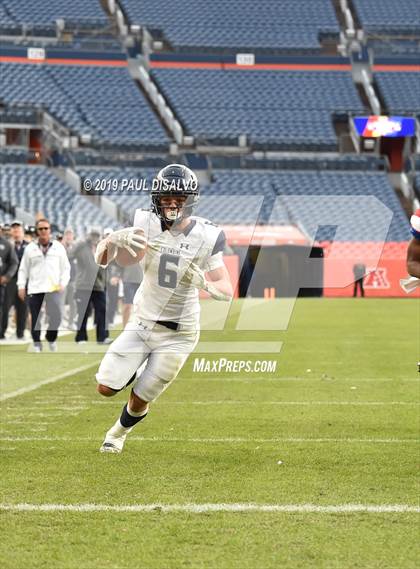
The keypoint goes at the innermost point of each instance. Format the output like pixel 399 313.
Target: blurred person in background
pixel 359 272
pixel 113 278
pixel 89 287
pixel 8 267
pixel 11 296
pixel 30 233
pixel 45 272
pixel 70 301
pixel 131 278
pixel 5 231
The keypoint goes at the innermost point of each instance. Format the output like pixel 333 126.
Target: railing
pixel 370 93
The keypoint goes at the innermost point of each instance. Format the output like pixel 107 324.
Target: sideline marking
pixel 53 379
pixel 222 507
pixel 312 379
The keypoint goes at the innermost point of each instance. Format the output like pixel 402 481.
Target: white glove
pixel 128 239
pixel 195 276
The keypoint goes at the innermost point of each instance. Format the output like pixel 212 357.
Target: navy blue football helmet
pixel 175 180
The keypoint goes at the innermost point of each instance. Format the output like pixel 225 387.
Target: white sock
pixel 117 429
pixel 136 413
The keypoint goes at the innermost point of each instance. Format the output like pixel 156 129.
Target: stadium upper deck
pixel 220 26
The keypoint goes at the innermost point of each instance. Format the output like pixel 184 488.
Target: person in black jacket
pixel 8 267
pixel 11 292
pixel 359 272
pixel 90 287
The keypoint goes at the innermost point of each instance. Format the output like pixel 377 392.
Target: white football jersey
pixel 162 295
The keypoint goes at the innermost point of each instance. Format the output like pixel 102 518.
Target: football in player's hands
pixel 130 249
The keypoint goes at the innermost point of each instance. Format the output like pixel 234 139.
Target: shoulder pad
pixel 204 220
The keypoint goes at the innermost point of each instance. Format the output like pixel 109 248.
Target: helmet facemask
pixel 175 180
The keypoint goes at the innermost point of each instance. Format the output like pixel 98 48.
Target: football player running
pixel 413 256
pixel 183 254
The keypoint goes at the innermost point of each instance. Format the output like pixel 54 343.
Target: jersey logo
pixel 184 246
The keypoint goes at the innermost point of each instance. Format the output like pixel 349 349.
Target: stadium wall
pixel 19 54
pixel 383 278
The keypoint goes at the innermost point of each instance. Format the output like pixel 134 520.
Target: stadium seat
pixel 103 102
pixel 220 26
pixel 388 18
pixel 400 91
pixel 264 196
pixel 40 17
pixel 37 189
pixel 276 110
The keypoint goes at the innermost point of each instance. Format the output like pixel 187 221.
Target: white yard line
pixel 67 409
pixel 309 377
pixel 192 508
pixel 231 402
pixel 209 402
pixel 46 381
pixel 117 402
pixel 232 347
pixel 25 422
pixel 224 440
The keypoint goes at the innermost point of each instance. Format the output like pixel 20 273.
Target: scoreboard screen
pixel 383 126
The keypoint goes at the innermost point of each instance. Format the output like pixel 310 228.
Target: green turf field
pixel 312 466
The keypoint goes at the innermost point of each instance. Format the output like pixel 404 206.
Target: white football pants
pixel 156 353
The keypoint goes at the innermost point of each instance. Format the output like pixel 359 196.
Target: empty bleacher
pixel 37 189
pixel 400 91
pixel 40 17
pixel 127 199
pixel 14 155
pixel 388 17
pixel 102 102
pixel 281 197
pixel 219 26
pixel 228 199
pixel 291 110
pixel 302 161
pixel 362 224
pixel 5 217
pixel 391 29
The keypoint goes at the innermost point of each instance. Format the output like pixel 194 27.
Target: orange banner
pixel 380 281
